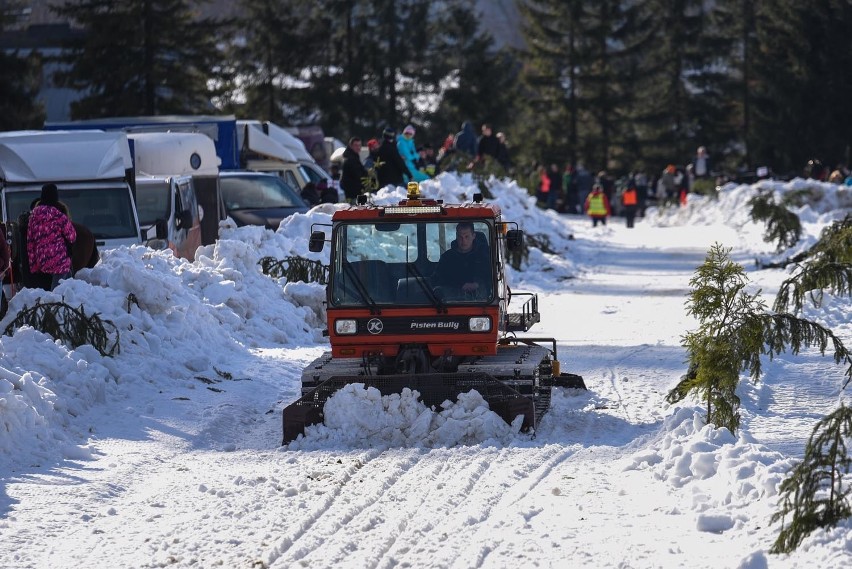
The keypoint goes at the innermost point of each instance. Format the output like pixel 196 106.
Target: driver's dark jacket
pixel 456 268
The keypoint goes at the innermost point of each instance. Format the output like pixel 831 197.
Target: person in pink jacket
pixel 49 236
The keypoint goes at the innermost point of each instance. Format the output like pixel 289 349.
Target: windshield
pixel 152 202
pixel 107 212
pixel 257 192
pixel 416 263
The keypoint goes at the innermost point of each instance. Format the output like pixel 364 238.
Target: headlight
pixel 480 324
pixel 345 326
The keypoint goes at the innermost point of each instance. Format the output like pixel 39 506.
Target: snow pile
pixel 178 320
pixel 356 417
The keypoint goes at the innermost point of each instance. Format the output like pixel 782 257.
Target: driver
pixel 465 267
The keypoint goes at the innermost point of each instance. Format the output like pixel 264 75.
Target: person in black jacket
pixel 353 171
pixel 392 168
pixel 464 270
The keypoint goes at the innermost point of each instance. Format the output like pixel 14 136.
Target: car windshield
pixel 152 202
pixel 257 192
pixel 401 264
pixel 107 212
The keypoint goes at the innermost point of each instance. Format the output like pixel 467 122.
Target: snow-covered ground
pixel 167 454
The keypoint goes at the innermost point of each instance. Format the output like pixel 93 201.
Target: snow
pixel 168 453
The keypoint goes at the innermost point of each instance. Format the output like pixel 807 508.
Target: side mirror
pixel 316 242
pixel 514 239
pixel 184 219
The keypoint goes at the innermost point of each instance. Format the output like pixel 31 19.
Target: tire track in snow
pixel 473 501
pixel 509 504
pixel 391 520
pixel 372 508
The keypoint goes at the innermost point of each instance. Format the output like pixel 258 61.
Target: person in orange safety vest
pixel 629 200
pixel 597 205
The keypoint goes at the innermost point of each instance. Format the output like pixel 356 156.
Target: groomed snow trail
pixel 207 486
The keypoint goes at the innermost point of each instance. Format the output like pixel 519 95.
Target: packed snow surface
pixel 167 453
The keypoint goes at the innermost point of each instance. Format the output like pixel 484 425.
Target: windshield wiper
pixel 360 288
pixel 424 284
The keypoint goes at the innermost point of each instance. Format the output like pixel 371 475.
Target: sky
pixel 168 454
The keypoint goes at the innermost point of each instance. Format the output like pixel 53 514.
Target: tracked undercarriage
pixel 395 321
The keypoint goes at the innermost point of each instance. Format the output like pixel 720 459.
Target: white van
pixel 168 166
pixel 270 148
pixel 92 170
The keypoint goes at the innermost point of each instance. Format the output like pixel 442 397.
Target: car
pixel 257 198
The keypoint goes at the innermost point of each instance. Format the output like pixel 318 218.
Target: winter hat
pixel 389 133
pixel 372 144
pixel 49 195
pixel 408 130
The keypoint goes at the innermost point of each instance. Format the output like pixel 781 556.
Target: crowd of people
pixel 574 189
pixel 396 159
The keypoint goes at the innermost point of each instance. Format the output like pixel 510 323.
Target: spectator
pixel 352 173
pixel 429 161
pixel 372 153
pixel 408 151
pixel 701 163
pixel 597 205
pixel 837 176
pixel 487 145
pixel 503 152
pixel 554 195
pixel 465 139
pixel 544 184
pixel 630 202
pixel 640 179
pixel 569 186
pixel 815 170
pixel 447 148
pixel 49 236
pixel 668 184
pixel 392 170
pixel 584 183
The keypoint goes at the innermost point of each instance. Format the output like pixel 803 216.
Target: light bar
pixel 412 209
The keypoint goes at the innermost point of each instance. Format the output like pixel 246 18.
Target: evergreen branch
pixel 816 494
pixel 782 225
pixel 295 269
pixel 780 330
pixel 69 325
pixel 812 277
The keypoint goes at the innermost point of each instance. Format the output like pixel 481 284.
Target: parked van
pixel 168 166
pixel 222 130
pixel 269 148
pixel 94 175
pixel 92 169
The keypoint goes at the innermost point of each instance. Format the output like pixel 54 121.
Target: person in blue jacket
pixel 408 151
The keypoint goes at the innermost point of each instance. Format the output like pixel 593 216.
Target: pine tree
pixel 140 58
pixel 20 76
pixel 735 330
pixel 273 38
pixel 473 81
pixel 676 101
pixel 799 86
